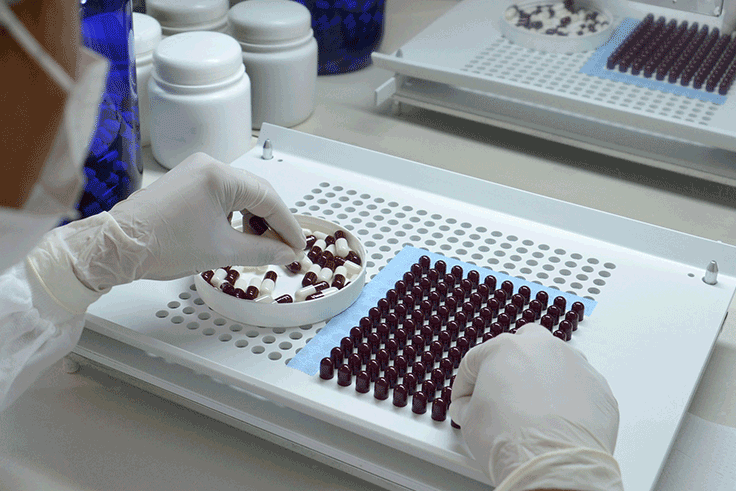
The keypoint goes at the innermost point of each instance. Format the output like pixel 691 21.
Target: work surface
pixel 89 431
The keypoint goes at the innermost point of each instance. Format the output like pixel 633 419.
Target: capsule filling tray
pixel 650 335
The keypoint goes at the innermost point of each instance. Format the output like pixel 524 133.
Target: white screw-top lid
pixel 178 13
pixel 197 58
pixel 273 21
pixel 146 31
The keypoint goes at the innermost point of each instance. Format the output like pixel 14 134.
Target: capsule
pixel 258 225
pixel 325 274
pixel 268 283
pixel 218 277
pixel 321 294
pixel 311 239
pixel 342 248
pixel 252 292
pixel 264 299
pixel 319 234
pixel 353 257
pixel 286 298
pixel 339 279
pixel 311 276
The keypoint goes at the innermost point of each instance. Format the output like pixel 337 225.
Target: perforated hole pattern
pixel 505 61
pixel 385 227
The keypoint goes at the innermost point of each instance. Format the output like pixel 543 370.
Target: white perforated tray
pixel 462 65
pixel 650 335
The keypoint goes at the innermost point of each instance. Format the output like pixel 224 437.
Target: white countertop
pixel 87 431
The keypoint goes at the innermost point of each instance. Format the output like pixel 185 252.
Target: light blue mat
pixel 596 66
pixel 308 359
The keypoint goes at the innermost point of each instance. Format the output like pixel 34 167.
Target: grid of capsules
pixel 327 265
pixel 560 19
pixel 409 345
pixel 684 52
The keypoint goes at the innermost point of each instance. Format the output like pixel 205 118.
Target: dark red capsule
pixel 500 296
pixel 446 394
pixel 426 307
pixel 401 396
pixel 418 317
pixel 445 338
pixel 555 312
pixel 543 298
pixel 346 345
pixel 365 351
pixel 232 276
pixel 451 303
pixel 537 307
pixel 416 270
pixel 344 376
pixel 529 315
pixel 439 410
pixel 314 254
pixel 374 341
pixel 258 225
pixel 207 275
pixel 383 307
pixel 355 363
pixel 326 369
pixel 429 388
pixel 365 324
pixel 479 325
pixel 425 285
pixel 449 280
pixel 490 281
pixel 474 277
pixel 392 346
pixel 438 377
pixel 383 331
pixel 381 388
pixel 410 382
pixel 457 272
pixel 572 317
pixel 392 297
pixel 469 310
pixel 520 322
pixel 453 328
pixel 362 382
pixel 471 334
pixel 392 321
pixel 560 303
pixel 251 292
pixel 409 279
pixel 401 365
pixel 419 403
pixel 433 276
pixel 512 311
pixel 382 357
pixel 559 334
pixel 400 310
pixel 228 289
pixel 477 300
pixel 434 299
pixel 463 345
pixel 525 292
pixel 374 314
pixel 294 267
pixel 311 239
pixel 410 352
pixel 447 365
pixel 487 336
pixel 518 300
pixel 442 290
pixel 486 314
pixel 435 324
pixel 547 321
pixel 337 356
pixel 427 359
pixel 496 329
pixel 494 305
pixel 440 266
pixel 455 355
pixel 340 234
pixel 241 294
pixel 425 262
pixel 309 278
pixel 418 294
pixel 419 369
pixel 467 286
pixel 566 327
pixel 461 319
pixel 373 368
pixel 508 287
pixel 505 321
pixel 329 240
pixel 400 287
pixel 400 337
pixel 436 349
pixel 454 425
pixel 443 313
pixel 418 342
pixel 354 257
pixel 579 308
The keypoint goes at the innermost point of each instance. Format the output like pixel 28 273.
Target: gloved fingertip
pixel 285 255
pixel 457 410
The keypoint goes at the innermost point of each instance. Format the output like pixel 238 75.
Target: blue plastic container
pixel 113 167
pixel 347 32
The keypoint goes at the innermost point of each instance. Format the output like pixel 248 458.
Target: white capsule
pixel 321 244
pixel 306 263
pixel 307 231
pixel 319 235
pixel 329 291
pixel 241 283
pixel 331 249
pixel 341 270
pixel 315 268
pixel 325 274
pixel 264 299
pixel 267 286
pixel 218 278
pixel 352 268
pixel 341 247
pixel 255 282
pixel 303 293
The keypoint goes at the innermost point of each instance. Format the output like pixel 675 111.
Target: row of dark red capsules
pixel 419 332
pixel 328 265
pixel 674 52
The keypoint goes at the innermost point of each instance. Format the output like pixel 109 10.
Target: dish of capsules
pixel 325 280
pixel 569 27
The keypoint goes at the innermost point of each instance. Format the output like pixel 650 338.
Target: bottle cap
pixel 147 33
pixel 175 13
pixel 269 21
pixel 197 58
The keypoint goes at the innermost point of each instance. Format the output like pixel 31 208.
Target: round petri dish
pixel 572 43
pixel 258 313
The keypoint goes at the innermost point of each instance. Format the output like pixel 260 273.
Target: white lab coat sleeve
pixel 42 305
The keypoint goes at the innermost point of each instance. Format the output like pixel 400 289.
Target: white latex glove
pixel 536 415
pixel 179 226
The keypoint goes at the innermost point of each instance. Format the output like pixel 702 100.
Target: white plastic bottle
pixel 147 35
pixel 280 55
pixel 177 16
pixel 200 98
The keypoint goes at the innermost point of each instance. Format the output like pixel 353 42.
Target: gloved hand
pixel 536 415
pixel 177 226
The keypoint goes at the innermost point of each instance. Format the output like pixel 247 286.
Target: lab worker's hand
pixel 536 415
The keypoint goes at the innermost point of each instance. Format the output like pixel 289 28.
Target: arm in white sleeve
pixel 42 305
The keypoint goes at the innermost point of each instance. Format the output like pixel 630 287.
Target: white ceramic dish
pixel 288 314
pixel 529 38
